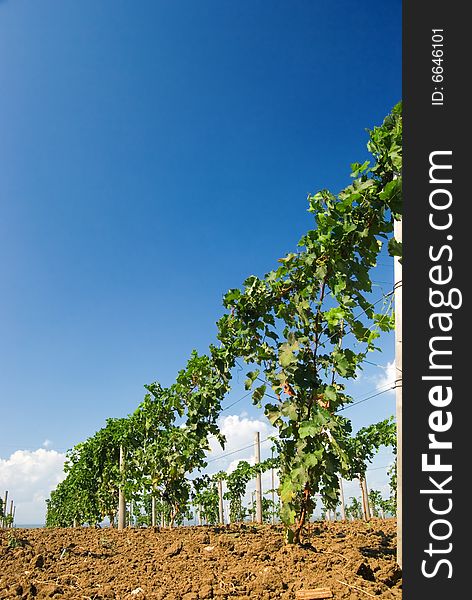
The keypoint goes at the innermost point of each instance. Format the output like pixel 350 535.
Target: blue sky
pixel 154 154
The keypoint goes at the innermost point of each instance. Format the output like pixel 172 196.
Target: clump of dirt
pixel 356 560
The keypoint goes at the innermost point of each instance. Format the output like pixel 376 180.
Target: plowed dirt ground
pixel 355 560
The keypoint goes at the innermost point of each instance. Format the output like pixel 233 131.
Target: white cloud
pixel 383 382
pixel 239 431
pixel 47 443
pixel 29 477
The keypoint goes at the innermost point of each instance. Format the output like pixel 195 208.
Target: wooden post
pixel 121 496
pixel 13 516
pixel 398 389
pixel 5 508
pixel 341 499
pixel 257 443
pixel 364 507
pixel 220 502
pixel 365 498
pixel 273 492
pixel 153 511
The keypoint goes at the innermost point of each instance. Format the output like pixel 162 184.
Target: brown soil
pixel 355 560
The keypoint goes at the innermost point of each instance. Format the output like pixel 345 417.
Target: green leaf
pixel 334 316
pixel 287 491
pixel 394 247
pixel 341 363
pixel 289 410
pixel 385 322
pixel 233 294
pixel 357 168
pixel 272 412
pixel 287 258
pixel 259 394
pixel 286 354
pixel 392 195
pixel 251 378
pixel 330 393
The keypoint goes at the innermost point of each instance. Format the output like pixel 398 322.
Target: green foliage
pixel 375 501
pixel 90 491
pixel 6 519
pixel 164 440
pixel 269 509
pixel 381 507
pixel 206 497
pixel 354 509
pixel 236 483
pixel 391 505
pixel 365 444
pixel 175 423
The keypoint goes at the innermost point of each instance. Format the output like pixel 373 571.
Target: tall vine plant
pixel 308 325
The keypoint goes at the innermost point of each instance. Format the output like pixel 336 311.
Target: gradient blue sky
pixel 152 155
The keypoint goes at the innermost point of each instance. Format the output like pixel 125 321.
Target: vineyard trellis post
pixel 121 496
pixel 273 490
pixel 153 511
pixel 365 498
pixel 398 386
pixel 341 499
pixel 257 442
pixel 5 500
pixel 220 502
